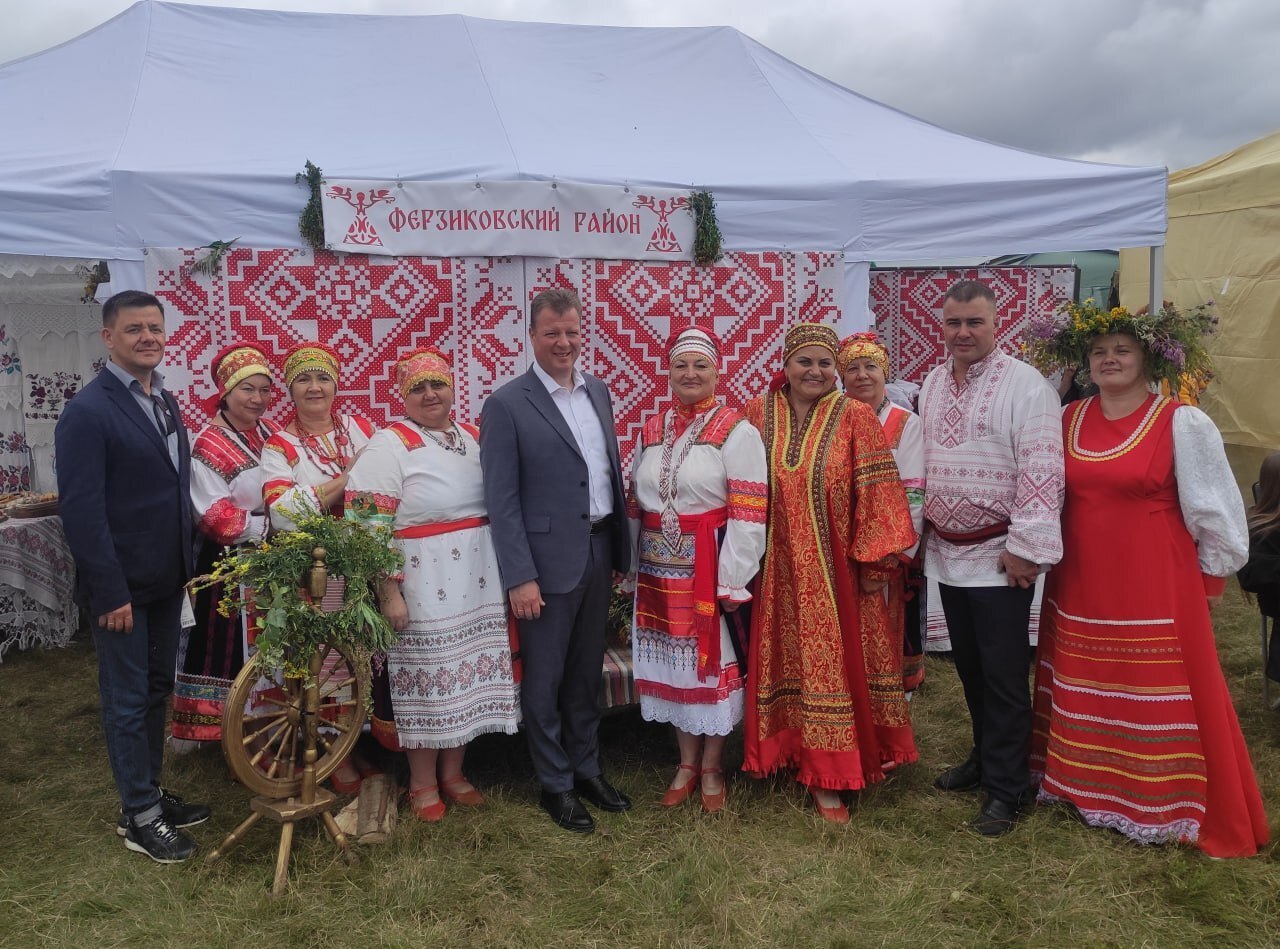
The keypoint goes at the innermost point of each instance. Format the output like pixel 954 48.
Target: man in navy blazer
pixel 124 477
pixel 553 489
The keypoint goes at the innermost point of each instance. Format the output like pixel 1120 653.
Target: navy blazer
pixel 535 485
pixel 125 509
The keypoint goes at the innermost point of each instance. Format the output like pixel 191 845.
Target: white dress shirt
pixel 584 424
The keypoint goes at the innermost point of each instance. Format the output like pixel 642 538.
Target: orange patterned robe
pixel 824 691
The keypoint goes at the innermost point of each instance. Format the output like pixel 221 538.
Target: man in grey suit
pixel 553 487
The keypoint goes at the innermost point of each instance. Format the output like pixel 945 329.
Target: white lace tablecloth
pixel 37 576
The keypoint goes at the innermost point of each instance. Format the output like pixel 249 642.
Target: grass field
pixel 765 872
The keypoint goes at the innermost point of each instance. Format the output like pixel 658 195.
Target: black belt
pixel 602 525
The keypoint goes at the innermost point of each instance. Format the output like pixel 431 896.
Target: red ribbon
pixel 441 527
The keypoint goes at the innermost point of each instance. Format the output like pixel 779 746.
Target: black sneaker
pixel 160 841
pixel 175 810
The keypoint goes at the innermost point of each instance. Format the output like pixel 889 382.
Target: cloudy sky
pixel 1160 82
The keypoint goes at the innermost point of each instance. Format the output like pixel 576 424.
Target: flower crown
pixel 1172 339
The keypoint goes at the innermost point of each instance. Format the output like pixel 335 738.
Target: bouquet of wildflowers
pixel 1173 339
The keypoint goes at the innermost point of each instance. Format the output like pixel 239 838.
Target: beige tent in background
pixel 1224 245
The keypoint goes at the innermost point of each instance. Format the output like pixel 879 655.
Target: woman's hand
pixel 392 605
pixel 728 606
pixel 871 584
pixel 1214 601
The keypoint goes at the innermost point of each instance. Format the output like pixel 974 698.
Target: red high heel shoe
pixel 677 796
pixel 431 813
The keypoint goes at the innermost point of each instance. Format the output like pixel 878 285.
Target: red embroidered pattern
pixel 223 522
pixel 748 501
pixel 217 450
pixel 410 437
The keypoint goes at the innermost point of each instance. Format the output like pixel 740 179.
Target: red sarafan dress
pixel 1134 725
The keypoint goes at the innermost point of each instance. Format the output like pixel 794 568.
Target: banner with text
pixel 507 219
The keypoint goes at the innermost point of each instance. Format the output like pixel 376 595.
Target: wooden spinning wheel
pixel 264 722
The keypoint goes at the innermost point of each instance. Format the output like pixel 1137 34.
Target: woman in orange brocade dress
pixel 824 690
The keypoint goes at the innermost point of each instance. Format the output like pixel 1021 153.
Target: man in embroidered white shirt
pixel 553 489
pixel 993 499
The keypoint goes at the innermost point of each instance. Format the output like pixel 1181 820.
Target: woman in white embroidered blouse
pixel 864 370
pixel 697 511
pixel 450 672
pixel 305 467
pixel 226 494
pixel 306 463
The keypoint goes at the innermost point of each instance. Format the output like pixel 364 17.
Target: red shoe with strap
pixel 431 813
pixel 677 796
pixel 460 791
pixel 713 801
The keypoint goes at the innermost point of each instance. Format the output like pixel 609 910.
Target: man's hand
pixel 1018 572
pixel 728 606
pixel 526 600
pixel 119 620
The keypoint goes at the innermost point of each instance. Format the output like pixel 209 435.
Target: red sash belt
pixel 706 572
pixel 968 538
pixel 441 527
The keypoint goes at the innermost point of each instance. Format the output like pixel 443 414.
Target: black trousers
pixel 988 628
pixel 562 653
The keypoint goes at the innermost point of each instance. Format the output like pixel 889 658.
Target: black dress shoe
pixel 996 818
pixel 567 811
pixel 602 794
pixel 963 777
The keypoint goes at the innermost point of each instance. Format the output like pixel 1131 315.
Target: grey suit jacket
pixel 535 485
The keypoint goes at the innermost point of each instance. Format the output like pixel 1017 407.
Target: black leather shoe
pixel 602 794
pixel 567 811
pixel 175 810
pixel 996 818
pixel 963 777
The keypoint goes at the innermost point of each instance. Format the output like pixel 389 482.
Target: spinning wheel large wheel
pixel 264 722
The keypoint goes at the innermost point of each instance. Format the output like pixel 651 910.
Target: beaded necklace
pixel 330 457
pixel 668 476
pixel 453 440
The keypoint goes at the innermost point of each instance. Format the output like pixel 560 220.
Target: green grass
pixel 766 872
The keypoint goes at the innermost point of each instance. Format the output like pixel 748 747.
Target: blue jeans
pixel 135 678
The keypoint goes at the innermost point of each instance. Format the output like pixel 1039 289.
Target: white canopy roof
pixel 174 125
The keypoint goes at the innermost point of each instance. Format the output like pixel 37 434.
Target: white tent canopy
pixel 174 125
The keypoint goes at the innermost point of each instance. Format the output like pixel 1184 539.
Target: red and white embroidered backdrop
pixel 373 309
pixel 907 304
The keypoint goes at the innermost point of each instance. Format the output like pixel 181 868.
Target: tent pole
pixel 1156 299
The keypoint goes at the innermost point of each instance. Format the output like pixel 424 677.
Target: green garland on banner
pixel 311 224
pixel 707 239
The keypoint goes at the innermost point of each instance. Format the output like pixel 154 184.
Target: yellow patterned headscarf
pixel 809 334
pixel 863 346
pixel 423 365
pixel 311 357
pixel 237 363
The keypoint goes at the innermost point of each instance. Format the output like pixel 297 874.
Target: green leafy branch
pixel 269 580
pixel 311 223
